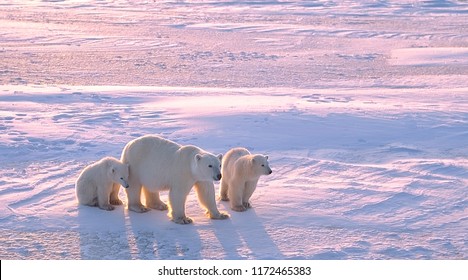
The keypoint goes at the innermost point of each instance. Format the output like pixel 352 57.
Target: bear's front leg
pixel 103 193
pixel 177 198
pixel 237 204
pixel 250 187
pixel 114 195
pixel 183 220
pixel 133 197
pixel 235 193
pixel 206 196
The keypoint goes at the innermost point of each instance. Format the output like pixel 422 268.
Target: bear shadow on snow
pixel 124 235
pixel 153 236
pixel 246 227
pixel 101 233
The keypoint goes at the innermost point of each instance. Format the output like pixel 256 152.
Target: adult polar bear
pixel 158 164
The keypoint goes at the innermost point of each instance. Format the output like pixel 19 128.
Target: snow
pixel 362 107
pixel 430 56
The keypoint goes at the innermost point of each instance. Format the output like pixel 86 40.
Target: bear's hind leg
pixel 223 191
pixel 177 199
pixel 153 200
pixel 92 203
pixel 86 192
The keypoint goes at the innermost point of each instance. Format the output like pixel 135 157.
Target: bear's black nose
pixel 219 177
pixel 271 171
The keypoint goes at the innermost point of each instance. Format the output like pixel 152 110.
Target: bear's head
pixel 208 167
pixel 260 165
pixel 119 174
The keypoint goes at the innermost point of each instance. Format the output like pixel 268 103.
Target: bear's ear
pixel 113 170
pixel 266 157
pixel 198 157
pixel 252 160
pixel 127 166
pixel 220 157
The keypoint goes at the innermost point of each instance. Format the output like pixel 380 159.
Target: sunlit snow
pixel 362 107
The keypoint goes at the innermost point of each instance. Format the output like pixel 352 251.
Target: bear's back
pixel 97 171
pixel 149 147
pixel 233 155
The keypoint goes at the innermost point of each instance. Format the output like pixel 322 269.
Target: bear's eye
pixel 210 166
pixel 121 178
pixel 263 165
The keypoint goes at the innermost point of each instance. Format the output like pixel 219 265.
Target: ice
pixel 362 107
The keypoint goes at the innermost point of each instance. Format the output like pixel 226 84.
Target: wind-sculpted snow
pixel 360 105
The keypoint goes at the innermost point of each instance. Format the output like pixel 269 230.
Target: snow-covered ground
pixel 362 107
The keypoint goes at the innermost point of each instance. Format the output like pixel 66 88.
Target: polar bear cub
pixel 95 185
pixel 240 173
pixel 157 164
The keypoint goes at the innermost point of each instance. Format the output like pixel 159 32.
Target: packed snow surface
pixel 362 107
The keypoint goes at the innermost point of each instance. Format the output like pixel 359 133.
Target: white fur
pixel 240 173
pixel 94 186
pixel 158 164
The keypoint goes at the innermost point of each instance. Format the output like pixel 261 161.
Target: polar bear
pixel 240 173
pixel 158 164
pixel 95 185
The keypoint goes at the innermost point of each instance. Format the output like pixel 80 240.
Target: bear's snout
pixel 270 171
pixel 218 177
pixel 124 183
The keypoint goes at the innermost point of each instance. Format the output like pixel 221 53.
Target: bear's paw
pixel 239 208
pixel 158 206
pixel 138 208
pixel 107 207
pixel 115 201
pixel 223 198
pixel 182 220
pixel 219 216
pixel 247 205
